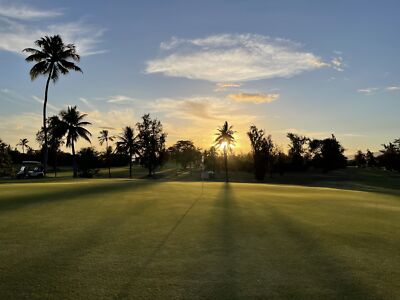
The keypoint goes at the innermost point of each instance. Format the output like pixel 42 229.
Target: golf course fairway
pixel 151 239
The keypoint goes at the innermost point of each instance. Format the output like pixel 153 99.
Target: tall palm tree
pixel 73 126
pixel 104 137
pixel 127 145
pixel 53 58
pixel 23 143
pixel 225 140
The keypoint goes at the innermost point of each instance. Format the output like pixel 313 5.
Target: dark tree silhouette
pixel 327 154
pixel 52 59
pixel 88 161
pixel 5 159
pixel 390 157
pixel 185 153
pixel 210 158
pixel 104 137
pixel 297 151
pixel 151 139
pixel 360 159
pixel 225 140
pixel 73 125
pixel 127 144
pixel 371 159
pixel 262 148
pixel 54 138
pixel 24 144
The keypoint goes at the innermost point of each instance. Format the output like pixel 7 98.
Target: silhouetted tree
pixel 210 159
pixel 104 137
pixel 371 159
pixel 127 144
pixel 297 151
pixel 185 153
pixel 52 59
pixel 262 148
pixel 24 144
pixel 5 160
pixel 73 126
pixel 88 162
pixel 151 139
pixel 225 140
pixel 360 159
pixel 54 138
pixel 390 157
pixel 327 154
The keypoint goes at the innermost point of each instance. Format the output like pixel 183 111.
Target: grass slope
pixel 149 239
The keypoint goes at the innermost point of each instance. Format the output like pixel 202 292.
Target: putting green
pixel 144 239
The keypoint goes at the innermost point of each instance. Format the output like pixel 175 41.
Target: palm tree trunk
pixel 45 146
pixel 74 160
pixel 226 165
pixel 130 165
pixel 108 160
pixel 55 164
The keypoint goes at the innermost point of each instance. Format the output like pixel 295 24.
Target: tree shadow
pixel 222 273
pixel 320 263
pixel 15 202
pixel 125 290
pixel 54 272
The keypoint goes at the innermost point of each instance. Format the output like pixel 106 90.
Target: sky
pixel 314 68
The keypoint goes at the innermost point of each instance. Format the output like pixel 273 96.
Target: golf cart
pixel 30 169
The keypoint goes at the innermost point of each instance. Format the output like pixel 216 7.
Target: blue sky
pixel 312 67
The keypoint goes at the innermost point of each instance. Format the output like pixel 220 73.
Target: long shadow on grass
pixel 58 273
pixel 71 192
pixel 321 263
pixel 125 289
pixel 222 281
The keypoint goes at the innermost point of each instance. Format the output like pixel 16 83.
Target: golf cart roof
pixel 31 162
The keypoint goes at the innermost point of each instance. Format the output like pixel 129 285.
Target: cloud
pixel 224 86
pixel 254 98
pixel 16 35
pixel 372 91
pixel 49 105
pixel 368 91
pixel 337 64
pixel 393 88
pixel 233 58
pixel 120 99
pixel 25 12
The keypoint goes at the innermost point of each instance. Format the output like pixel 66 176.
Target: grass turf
pixel 150 239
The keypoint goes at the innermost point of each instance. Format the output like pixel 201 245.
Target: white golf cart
pixel 30 169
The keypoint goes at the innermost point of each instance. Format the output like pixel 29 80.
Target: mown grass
pixel 152 239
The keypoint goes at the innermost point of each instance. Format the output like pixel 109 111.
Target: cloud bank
pixel 254 97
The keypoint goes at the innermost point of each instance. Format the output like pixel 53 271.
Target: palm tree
pixel 52 59
pixel 73 126
pixel 104 137
pixel 23 143
pixel 225 140
pixel 127 144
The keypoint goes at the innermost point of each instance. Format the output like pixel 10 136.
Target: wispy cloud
pixel 338 64
pixel 372 90
pixel 16 34
pixel 120 99
pixel 224 86
pixel 368 91
pixel 254 97
pixel 393 88
pixel 233 58
pixel 49 105
pixel 25 12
